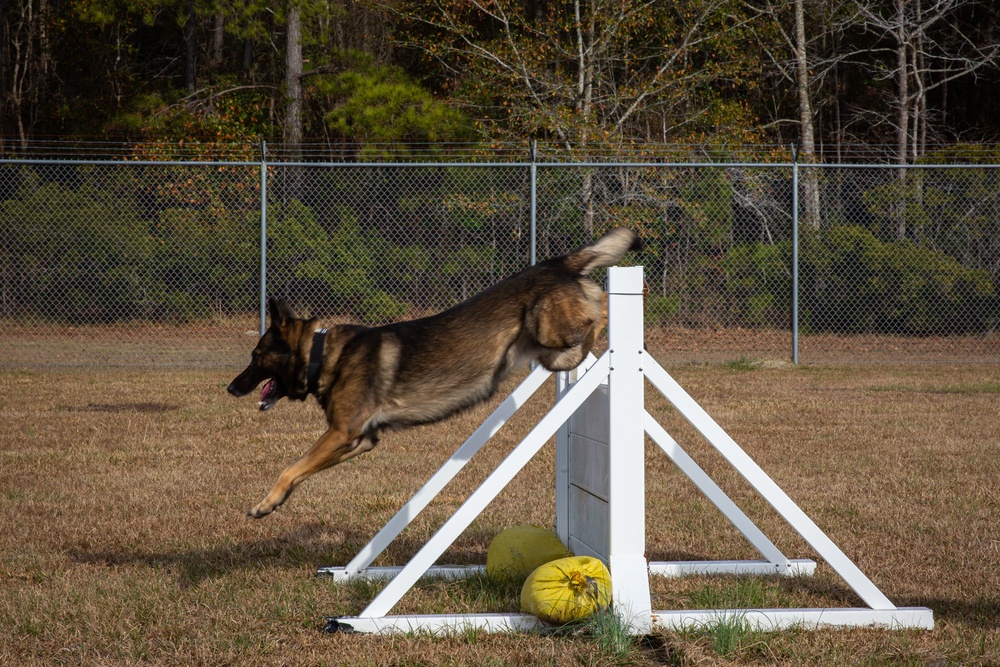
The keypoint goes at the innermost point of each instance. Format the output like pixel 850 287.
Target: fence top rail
pixel 490 165
pixel 528 164
pixel 894 167
pixel 132 163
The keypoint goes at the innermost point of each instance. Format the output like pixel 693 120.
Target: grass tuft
pixel 612 634
pixel 728 633
pixel 489 592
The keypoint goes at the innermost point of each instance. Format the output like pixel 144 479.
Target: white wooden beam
pixel 767 620
pixel 685 568
pixel 435 624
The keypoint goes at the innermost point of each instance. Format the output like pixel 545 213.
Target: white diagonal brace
pixel 766 486
pixel 487 491
pixel 715 494
pixel 447 472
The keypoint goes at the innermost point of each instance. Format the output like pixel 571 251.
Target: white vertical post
pixel 562 466
pixel 626 480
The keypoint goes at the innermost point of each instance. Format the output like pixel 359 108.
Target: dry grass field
pixel 124 540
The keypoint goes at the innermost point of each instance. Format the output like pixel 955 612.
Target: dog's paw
pixel 260 511
pixel 272 501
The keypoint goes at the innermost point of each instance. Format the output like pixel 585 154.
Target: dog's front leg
pixel 333 447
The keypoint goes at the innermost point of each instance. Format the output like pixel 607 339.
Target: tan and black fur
pixel 370 379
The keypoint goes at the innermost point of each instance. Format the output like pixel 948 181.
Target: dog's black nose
pixel 233 390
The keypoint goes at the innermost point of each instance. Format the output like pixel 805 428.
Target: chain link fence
pixel 162 263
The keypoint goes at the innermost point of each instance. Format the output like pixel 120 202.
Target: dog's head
pixel 281 358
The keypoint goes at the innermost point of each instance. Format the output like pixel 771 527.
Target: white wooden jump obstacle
pixel 600 420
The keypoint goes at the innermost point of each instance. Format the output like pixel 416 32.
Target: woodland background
pixel 904 247
pixel 827 75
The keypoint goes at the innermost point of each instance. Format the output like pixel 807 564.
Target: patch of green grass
pixel 488 591
pixel 743 364
pixel 360 592
pixel 738 593
pixel 471 635
pixel 978 388
pixel 730 632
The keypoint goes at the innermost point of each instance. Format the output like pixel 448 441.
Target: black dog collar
pixel 315 360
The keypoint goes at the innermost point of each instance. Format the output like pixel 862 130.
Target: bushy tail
pixel 605 251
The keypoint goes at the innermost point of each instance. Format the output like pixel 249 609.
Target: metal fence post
pixel 534 204
pixel 795 256
pixel 263 237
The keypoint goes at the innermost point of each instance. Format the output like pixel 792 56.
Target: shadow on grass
pixel 148 408
pixel 306 546
pixel 982 613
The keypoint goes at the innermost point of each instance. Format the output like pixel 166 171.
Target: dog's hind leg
pixel 333 447
pixel 567 359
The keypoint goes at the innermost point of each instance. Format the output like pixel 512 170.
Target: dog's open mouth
pixel 269 395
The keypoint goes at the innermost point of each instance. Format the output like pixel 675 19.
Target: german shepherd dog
pixel 371 379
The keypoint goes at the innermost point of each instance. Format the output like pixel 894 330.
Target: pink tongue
pixel 266 391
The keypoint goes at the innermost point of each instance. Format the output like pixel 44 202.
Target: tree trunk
pixel 3 73
pixel 903 113
pixel 190 32
pixel 585 93
pixel 218 38
pixel 919 121
pixel 807 136
pixel 293 76
pixel 806 131
pixel 248 55
pixel 30 53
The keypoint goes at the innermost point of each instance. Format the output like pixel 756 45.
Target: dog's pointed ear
pixel 281 312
